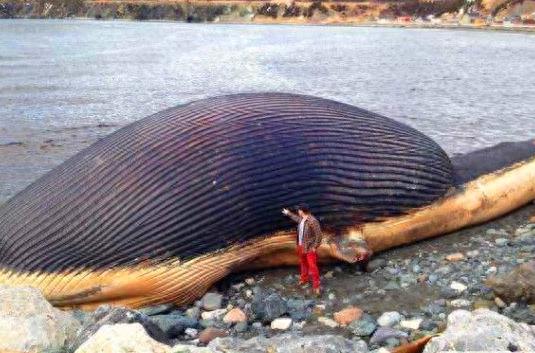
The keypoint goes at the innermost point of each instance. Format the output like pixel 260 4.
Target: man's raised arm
pixel 292 215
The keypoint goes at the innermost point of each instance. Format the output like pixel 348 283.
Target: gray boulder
pixel 174 325
pixel 300 310
pixel 107 315
pixel 29 323
pixel 517 285
pixel 365 326
pixel 289 343
pixel 268 308
pixel 482 330
pixel 383 334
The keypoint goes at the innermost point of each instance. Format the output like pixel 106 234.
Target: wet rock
pixel 482 330
pixel 518 285
pixel 234 316
pixel 389 319
pixel 384 333
pixel 282 323
pixel 327 322
pixel 122 338
pixel 347 315
pixel 250 281
pixel 107 315
pixel 157 309
pixel 289 343
pixel 375 264
pixel 212 301
pixel 428 325
pixel 268 308
pixel 28 323
pixel 300 310
pixel 211 333
pixel 174 325
pixel 363 327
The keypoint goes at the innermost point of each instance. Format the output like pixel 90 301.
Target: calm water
pixel 466 89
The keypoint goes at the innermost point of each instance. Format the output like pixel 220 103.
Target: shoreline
pixel 459 27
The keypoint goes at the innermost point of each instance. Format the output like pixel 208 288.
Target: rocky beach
pixel 479 279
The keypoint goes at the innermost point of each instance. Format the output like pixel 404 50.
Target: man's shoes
pixel 317 292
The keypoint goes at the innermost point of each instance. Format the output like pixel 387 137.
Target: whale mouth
pixel 352 249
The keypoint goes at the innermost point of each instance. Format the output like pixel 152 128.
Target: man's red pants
pixel 308 266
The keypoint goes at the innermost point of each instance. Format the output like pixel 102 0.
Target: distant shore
pixel 445 14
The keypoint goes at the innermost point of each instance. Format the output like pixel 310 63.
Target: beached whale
pixel 161 209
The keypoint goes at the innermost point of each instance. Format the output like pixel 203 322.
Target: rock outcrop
pixel 28 323
pixel 107 315
pixel 482 330
pixel 121 338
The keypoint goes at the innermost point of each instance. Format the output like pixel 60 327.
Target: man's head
pixel 303 210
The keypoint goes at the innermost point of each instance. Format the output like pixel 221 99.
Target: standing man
pixel 308 240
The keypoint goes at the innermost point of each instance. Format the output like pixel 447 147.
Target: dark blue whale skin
pixel 199 177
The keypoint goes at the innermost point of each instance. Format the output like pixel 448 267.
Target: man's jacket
pixel 311 233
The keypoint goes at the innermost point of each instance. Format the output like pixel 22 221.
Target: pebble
pixel 282 323
pixel 250 281
pixel 499 302
pixel 329 275
pixel 455 257
pixel 384 333
pixel 389 319
pixel 345 316
pixel 193 312
pixel 327 322
pixel 234 316
pixel 241 327
pixel 492 270
pixel 472 253
pixel 191 332
pixel 212 301
pixel 214 314
pixel 412 324
pixel 428 325
pixel 501 242
pixel 458 286
pixel 211 333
